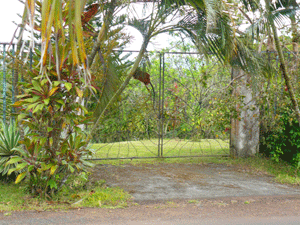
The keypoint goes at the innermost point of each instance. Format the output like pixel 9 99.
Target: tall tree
pixel 283 67
pixel 273 14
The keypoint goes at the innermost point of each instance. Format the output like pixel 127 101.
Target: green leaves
pixel 52 184
pixel 9 147
pixel 68 86
pixel 14 159
pixel 79 92
pixel 20 177
pixel 49 153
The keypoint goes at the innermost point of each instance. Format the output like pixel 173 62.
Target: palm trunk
pixel 286 76
pixel 295 34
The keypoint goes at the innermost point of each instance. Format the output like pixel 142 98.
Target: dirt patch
pixel 155 182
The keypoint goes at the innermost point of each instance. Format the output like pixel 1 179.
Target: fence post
pixel 4 84
pixel 13 86
pixel 159 110
pixel 162 107
pixel 244 135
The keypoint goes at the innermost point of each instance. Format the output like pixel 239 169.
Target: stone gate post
pixel 244 136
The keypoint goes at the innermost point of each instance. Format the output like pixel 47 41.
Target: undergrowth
pixel 78 193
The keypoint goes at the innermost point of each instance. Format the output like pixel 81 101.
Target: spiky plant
pixel 9 144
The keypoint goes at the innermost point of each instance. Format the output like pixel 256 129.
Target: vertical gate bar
pixel 13 85
pixel 159 108
pixel 162 108
pixel 4 84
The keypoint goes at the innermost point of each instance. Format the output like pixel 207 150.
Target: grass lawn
pixel 171 148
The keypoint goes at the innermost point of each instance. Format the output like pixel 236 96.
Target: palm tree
pixel 61 32
pixel 272 14
pixel 225 43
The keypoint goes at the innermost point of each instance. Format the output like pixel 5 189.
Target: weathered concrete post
pixel 244 136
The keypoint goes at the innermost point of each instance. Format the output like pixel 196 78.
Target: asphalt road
pixel 250 210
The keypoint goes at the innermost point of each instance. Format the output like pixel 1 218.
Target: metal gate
pixel 179 118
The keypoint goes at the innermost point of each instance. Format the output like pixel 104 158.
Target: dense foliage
pixel 283 142
pixel 279 135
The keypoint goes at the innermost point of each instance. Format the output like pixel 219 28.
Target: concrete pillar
pixel 244 137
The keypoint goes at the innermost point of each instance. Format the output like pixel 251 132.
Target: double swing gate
pixel 178 116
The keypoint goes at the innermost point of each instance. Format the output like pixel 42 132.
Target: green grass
pixel 171 148
pixel 13 197
pixel 282 171
pixel 101 197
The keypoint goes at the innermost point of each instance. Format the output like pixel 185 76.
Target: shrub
pixel 284 141
pixel 56 146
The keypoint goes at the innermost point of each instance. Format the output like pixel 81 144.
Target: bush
pixel 56 145
pixel 284 141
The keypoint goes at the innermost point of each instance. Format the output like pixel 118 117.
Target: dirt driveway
pixel 155 182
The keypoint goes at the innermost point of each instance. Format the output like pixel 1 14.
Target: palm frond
pixel 251 5
pixel 142 25
pixel 110 84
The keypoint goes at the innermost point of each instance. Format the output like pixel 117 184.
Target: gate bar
pixel 4 84
pixel 162 107
pixel 13 85
pixel 155 157
pixel 159 109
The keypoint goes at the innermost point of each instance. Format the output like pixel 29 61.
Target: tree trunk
pixel 286 76
pixel 244 136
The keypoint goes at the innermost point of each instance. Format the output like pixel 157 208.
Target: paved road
pixel 230 210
